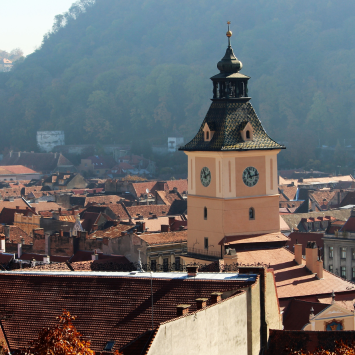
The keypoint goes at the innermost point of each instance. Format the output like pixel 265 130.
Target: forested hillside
pixel 121 71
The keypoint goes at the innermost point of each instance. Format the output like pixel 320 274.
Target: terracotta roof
pixel 290 204
pixel 283 225
pixel 294 280
pixel 320 180
pixel 254 238
pixel 7 215
pixel 16 234
pixel 180 184
pixel 88 219
pixel 18 169
pixel 112 232
pixel 289 191
pixel 164 238
pixel 228 118
pixel 121 305
pixel 296 314
pixel 69 218
pixel 46 206
pixel 40 162
pixel 140 188
pixel 148 210
pixel 118 210
pixel 322 197
pixel 349 225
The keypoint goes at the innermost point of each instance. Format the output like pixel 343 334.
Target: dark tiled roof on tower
pixel 230 112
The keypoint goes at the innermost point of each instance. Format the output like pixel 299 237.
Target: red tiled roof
pixel 7 215
pixel 112 232
pixel 296 314
pixel 18 169
pixel 254 238
pixel 349 225
pixel 17 234
pixel 118 210
pixel 294 280
pixel 323 197
pixel 141 187
pixel 164 238
pixel 288 191
pixel 104 199
pixel 148 210
pixel 121 305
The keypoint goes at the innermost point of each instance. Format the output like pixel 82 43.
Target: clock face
pixel 205 176
pixel 250 176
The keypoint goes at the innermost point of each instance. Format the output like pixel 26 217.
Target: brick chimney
pixel 61 232
pixel 298 253
pixel 319 268
pixel 165 228
pixel 182 309
pixel 192 271
pixel 311 256
pixel 216 297
pixel 201 302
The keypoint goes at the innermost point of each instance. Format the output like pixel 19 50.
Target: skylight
pixel 109 345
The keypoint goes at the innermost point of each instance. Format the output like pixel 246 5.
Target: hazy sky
pixel 24 22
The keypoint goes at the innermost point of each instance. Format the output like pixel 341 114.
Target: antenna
pixel 147 191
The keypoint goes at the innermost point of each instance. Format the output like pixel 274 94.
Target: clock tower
pixel 232 166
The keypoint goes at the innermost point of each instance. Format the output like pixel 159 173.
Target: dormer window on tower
pixel 247 131
pixel 208 131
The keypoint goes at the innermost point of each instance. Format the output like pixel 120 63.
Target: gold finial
pixel 229 33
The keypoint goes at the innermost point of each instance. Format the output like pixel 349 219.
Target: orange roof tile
pixel 294 280
pixel 112 232
pixel 164 238
pixel 254 238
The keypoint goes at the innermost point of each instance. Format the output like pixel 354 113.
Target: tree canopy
pixel 116 71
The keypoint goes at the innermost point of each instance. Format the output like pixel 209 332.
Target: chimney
pixel 19 250
pixel 182 309
pixel 19 154
pixel 17 207
pixel 216 297
pixel 95 256
pixel 47 244
pixel 311 256
pixel 165 228
pixel 143 227
pixel 46 259
pixel 201 303
pixel 73 211
pixel 60 211
pixel 171 220
pixel 61 232
pixel 2 238
pixel 123 234
pixel 298 253
pixel 319 268
pixel 192 271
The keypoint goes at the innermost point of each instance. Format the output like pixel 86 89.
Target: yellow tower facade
pixel 232 167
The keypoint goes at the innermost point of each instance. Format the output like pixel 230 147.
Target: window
pixel 251 213
pixel 153 265
pixel 247 134
pixel 330 268
pixel 206 243
pixel 343 272
pixel 353 254
pixel 353 273
pixel 165 264
pixel 109 345
pixel 205 213
pixel 177 263
pixel 331 252
pixel 343 252
pixel 207 135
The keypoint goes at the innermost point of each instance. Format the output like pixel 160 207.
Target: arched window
pixel 207 135
pixel 251 213
pixel 205 213
pixel 247 134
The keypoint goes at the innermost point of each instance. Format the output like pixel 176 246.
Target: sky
pixel 24 22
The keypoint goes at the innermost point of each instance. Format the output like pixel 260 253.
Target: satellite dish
pixel 147 191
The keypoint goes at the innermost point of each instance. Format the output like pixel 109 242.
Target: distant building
pixel 47 140
pixel 175 142
pixel 5 65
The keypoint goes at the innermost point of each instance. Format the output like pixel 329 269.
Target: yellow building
pixel 232 166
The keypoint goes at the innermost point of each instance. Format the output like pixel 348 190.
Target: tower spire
pixel 229 34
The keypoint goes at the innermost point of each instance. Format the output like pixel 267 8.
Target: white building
pixel 47 140
pixel 174 143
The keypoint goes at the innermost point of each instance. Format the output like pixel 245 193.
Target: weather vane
pixel 229 34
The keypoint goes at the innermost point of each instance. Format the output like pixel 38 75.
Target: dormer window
pixel 247 131
pixel 208 131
